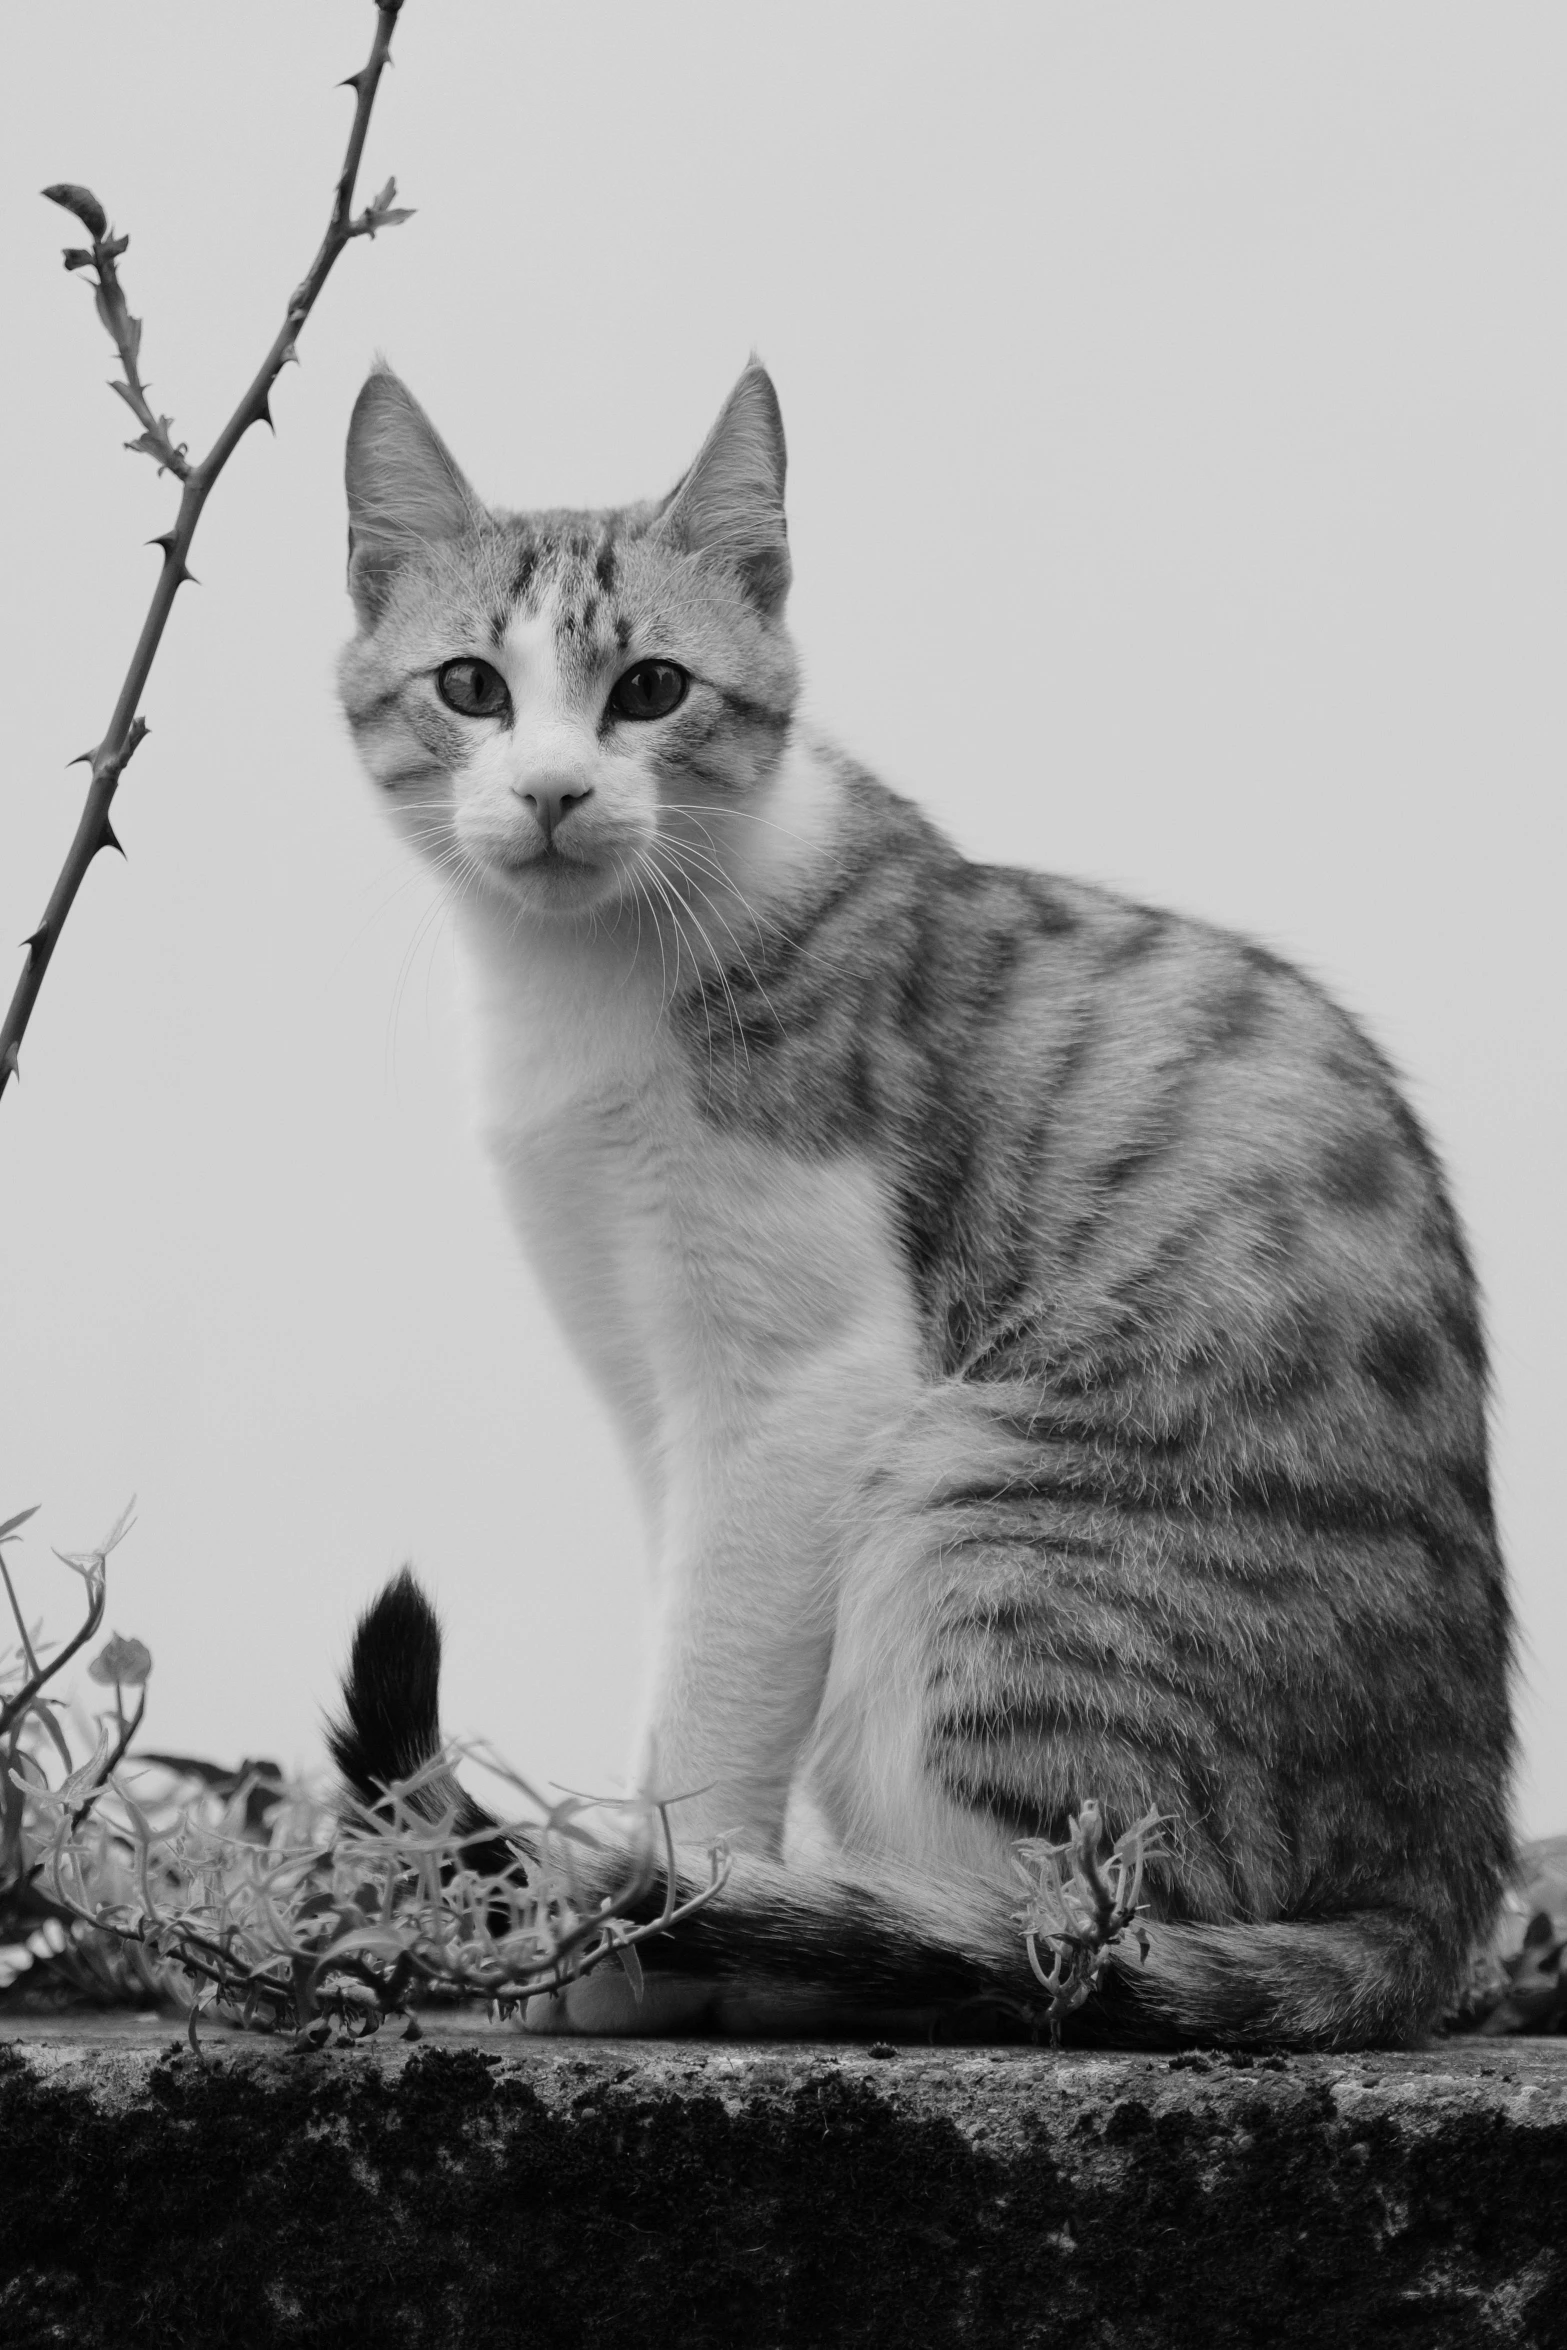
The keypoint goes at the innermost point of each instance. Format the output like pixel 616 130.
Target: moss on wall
pixel 486 2191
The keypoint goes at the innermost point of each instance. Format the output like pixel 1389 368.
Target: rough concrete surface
pixel 479 2190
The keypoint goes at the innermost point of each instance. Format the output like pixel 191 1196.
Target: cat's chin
pixel 553 884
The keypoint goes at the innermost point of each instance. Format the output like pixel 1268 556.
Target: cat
pixel 1044 1349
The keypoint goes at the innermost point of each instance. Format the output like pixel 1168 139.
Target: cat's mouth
pixel 551 875
pixel 549 856
pixel 550 863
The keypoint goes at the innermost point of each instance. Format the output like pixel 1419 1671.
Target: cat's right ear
pixel 405 489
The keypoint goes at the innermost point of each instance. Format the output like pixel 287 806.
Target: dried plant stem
pixel 16 1706
pixel 111 1762
pixel 28 1652
pixel 126 729
pixel 341 1937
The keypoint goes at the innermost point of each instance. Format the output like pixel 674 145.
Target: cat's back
pixel 1101 1126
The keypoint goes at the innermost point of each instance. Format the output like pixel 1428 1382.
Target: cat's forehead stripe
pixel 576 570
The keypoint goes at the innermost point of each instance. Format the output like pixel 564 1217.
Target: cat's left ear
pixel 731 503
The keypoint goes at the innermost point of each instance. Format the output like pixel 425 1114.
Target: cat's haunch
pixel 1041 1339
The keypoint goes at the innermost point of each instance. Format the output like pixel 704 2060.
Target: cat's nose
pixel 552 803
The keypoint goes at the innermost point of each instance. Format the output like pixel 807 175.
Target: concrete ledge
pixel 478 2189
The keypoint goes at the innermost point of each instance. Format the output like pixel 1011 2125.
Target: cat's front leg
pixel 742 1642
pixel 748 1560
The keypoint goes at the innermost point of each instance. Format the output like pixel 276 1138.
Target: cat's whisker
pixel 664 886
pixel 455 869
pixel 428 925
pixel 736 1029
pixel 665 997
pixel 710 858
pixel 751 972
pixel 636 950
pixel 726 809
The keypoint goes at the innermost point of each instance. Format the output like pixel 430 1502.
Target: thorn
pixel 351 81
pixel 83 759
pixel 263 414
pixel 35 938
pixel 13 1062
pixel 109 839
pixel 182 571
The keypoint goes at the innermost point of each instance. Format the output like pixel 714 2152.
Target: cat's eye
pixel 472 687
pixel 651 690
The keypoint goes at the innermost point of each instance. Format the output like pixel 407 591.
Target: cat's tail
pixel 799 1952
pixel 790 1953
pixel 389 1731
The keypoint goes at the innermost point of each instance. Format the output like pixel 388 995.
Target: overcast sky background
pixel 1175 397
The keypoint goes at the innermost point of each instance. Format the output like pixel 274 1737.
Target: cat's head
pixel 558 703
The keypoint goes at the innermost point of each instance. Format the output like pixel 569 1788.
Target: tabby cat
pixel 1042 1343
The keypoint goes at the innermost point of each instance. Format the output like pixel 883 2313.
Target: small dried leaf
pixel 121 1661
pixel 77 257
pixel 633 1966
pixel 70 1791
pixel 159 446
pixel 86 1563
pixel 83 203
pixel 39 1709
pixel 384 211
pixel 127 1517
pixel 21 1518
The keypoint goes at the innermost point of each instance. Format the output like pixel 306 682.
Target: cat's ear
pixel 731 503
pixel 405 490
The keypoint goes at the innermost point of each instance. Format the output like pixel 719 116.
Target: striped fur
pixel 1039 1331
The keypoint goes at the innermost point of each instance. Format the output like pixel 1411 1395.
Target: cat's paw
pixel 604 2002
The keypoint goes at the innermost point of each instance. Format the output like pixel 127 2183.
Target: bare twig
pixel 7 1534
pixel 104 1771
pixel 13 1708
pixel 126 729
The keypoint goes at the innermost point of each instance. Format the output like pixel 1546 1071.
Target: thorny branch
pixel 126 729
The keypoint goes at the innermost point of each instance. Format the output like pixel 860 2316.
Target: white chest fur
pixel 746 1315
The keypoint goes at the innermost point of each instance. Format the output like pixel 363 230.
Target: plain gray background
pixel 1175 400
